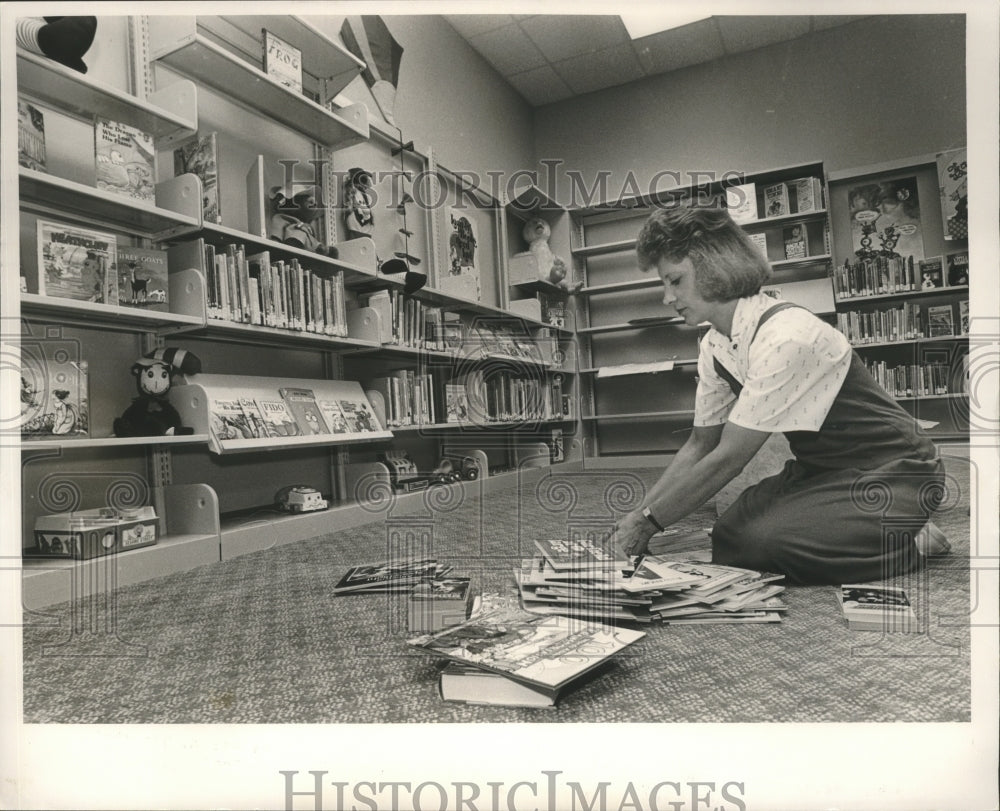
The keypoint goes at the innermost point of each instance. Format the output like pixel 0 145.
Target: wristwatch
pixel 648 515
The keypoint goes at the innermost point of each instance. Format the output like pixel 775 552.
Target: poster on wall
pixel 953 182
pixel 462 277
pixel 885 219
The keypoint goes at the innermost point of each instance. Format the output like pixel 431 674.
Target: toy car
pixel 300 498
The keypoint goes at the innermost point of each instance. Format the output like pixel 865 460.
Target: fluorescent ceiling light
pixel 643 24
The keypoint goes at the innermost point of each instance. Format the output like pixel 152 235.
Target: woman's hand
pixel 632 534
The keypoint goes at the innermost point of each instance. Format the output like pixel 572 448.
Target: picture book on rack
pixel 77 263
pixel 330 409
pixel 200 156
pixel 278 420
pixel 30 136
pixel 54 393
pixel 282 61
pixel 302 404
pixel 125 160
pixel 359 416
pixel 142 278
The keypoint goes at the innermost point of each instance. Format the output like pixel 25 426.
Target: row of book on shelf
pixel 412 398
pixel 920 380
pixel 906 322
pixel 747 203
pixel 253 289
pixel 292 412
pixel 881 275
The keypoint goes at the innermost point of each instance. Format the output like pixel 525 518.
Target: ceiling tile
pixel 747 33
pixel 595 71
pixel 821 21
pixel 469 25
pixel 540 86
pixel 679 47
pixel 508 49
pixel 560 36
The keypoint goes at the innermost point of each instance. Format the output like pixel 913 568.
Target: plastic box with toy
pixel 86 534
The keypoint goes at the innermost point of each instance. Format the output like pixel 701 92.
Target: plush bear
pixel 551 268
pixel 292 220
pixel 151 414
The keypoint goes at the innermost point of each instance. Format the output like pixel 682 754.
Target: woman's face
pixel 679 289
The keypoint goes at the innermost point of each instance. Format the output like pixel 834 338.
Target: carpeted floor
pixel 261 639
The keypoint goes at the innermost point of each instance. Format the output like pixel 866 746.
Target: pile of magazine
pixel 583 578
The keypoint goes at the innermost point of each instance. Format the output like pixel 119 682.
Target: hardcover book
pixel 760 240
pixel 579 553
pixel 439 603
pixel 547 653
pixel 931 273
pixel 940 321
pixel 359 416
pixel 277 418
pixel 142 278
pixel 226 419
pixel 54 394
pixel 868 607
pixel 330 409
pixel 253 418
pixel 125 160
pixel 385 576
pixel 741 201
pixel 200 156
pixel 958 269
pixel 30 136
pixel 302 404
pixel 776 200
pixel 77 263
pixel 808 193
pixel 282 61
pixel 796 241
pixel 456 402
pixel 466 684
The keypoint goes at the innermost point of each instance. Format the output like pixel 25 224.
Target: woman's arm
pixel 709 460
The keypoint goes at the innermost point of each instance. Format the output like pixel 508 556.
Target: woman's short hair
pixel 727 264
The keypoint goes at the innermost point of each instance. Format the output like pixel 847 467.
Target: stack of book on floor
pixel 877 608
pixel 582 579
pixel 506 655
pixel 389 576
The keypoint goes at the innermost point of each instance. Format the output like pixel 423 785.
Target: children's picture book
pixel 254 420
pixel 277 418
pixel 396 575
pixel 30 136
pixel 653 574
pixel 335 421
pixel 226 419
pixel 77 263
pixel 776 200
pixel 302 404
pixel 953 183
pixel 456 402
pixel 359 416
pixel 870 607
pixel 741 201
pixel 931 273
pixel 796 241
pixel 55 399
pixel 958 269
pixel 963 317
pixel 545 652
pixel 125 160
pixel 282 61
pixel 579 553
pixel 885 219
pixel 808 192
pixel 940 321
pixel 142 278
pixel 200 156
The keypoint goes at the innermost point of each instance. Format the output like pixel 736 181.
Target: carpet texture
pixel 261 639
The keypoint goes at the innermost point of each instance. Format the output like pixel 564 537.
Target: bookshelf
pixel 909 331
pixel 644 409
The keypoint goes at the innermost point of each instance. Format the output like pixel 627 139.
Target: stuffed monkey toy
pixel 151 413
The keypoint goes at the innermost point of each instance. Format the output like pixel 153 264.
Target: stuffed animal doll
pixel 61 39
pixel 551 268
pixel 151 414
pixel 292 220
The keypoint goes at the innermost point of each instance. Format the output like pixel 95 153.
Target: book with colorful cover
pixel 226 419
pixel 963 317
pixel 282 61
pixel 546 652
pixel 30 136
pixel 55 399
pixel 808 194
pixel 796 242
pixel 741 201
pixel 396 575
pixel 334 416
pixel 200 156
pixel 359 416
pixel 77 263
pixel 931 273
pixel 125 160
pixel 579 553
pixel 277 418
pixel 254 419
pixel 958 269
pixel 143 279
pixel 456 402
pixel 302 403
pixel 776 200
pixel 940 321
